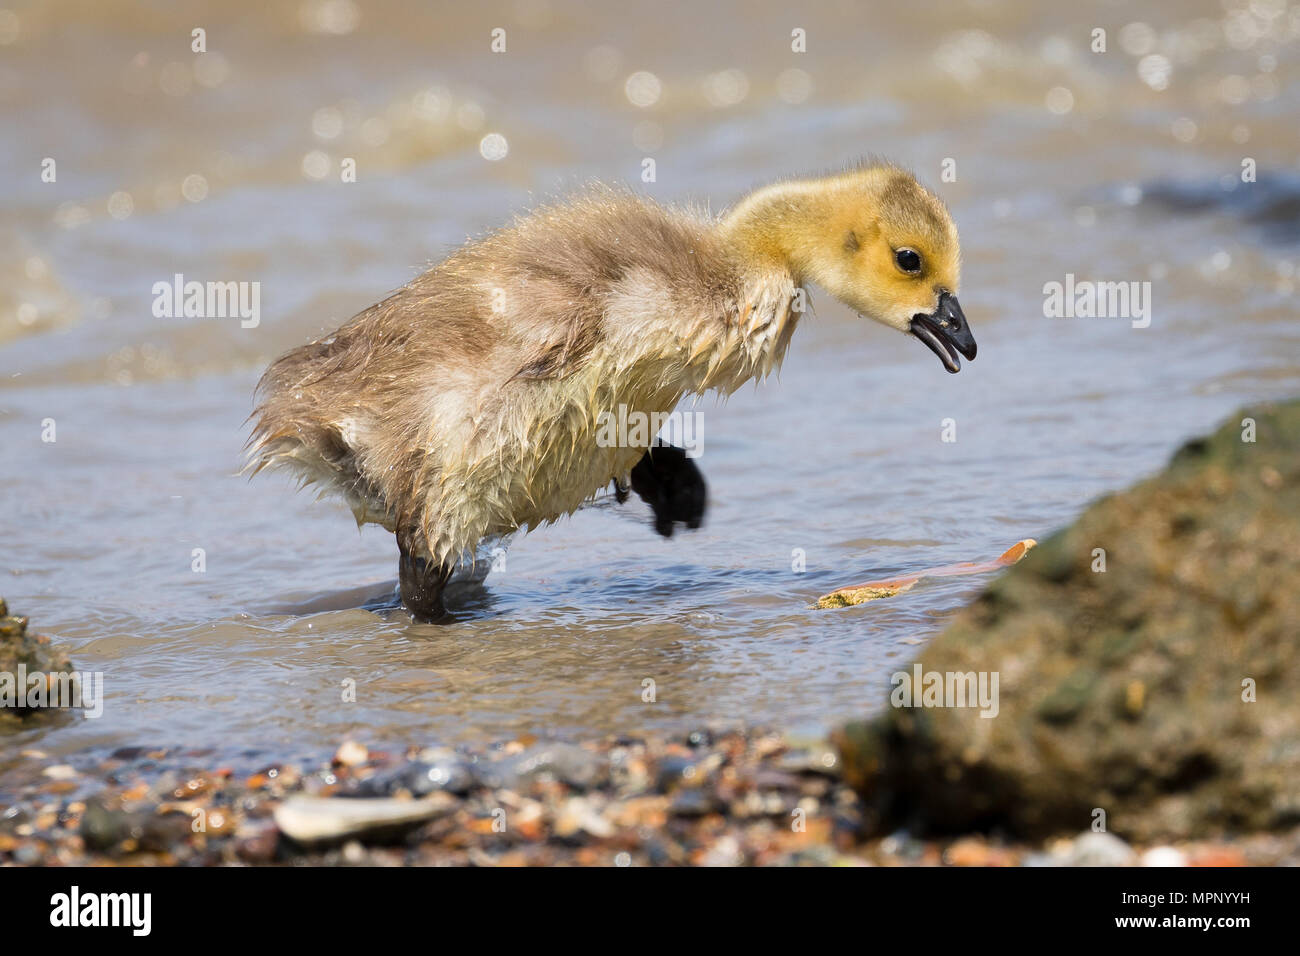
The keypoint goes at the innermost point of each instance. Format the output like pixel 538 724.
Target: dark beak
pixel 946 332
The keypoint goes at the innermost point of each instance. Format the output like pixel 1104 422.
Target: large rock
pixel 23 654
pixel 1123 690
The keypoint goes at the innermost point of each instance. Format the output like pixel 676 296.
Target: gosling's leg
pixel 421 580
pixel 672 485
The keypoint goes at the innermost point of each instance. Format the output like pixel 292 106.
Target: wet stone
pixel 310 820
pixel 128 753
pixel 676 771
pixel 452 774
pixel 159 833
pixel 574 766
pixel 1098 849
pixel 257 842
pixel 28 854
pixel 694 802
pixel 105 829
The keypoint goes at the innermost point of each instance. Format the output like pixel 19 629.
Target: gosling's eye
pixel 909 260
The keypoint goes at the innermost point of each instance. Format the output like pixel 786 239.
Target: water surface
pixel 1067 161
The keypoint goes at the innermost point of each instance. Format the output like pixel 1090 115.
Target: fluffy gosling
pixel 466 404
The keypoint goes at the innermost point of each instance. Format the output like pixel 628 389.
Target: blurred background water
pixel 1122 165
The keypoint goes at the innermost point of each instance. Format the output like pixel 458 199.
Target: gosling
pixel 467 404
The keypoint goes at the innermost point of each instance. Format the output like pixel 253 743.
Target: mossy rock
pixel 35 654
pixel 1125 690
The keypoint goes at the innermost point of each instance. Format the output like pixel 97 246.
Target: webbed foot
pixel 672 485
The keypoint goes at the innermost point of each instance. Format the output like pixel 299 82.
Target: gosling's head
pixel 877 240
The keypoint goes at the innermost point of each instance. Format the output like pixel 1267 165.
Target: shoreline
pixel 737 798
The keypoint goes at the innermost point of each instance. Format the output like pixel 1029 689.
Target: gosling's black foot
pixel 672 486
pixel 421 582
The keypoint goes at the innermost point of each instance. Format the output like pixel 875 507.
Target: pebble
pixel 694 802
pixel 817 756
pixel 106 829
pixel 570 764
pixel 322 819
pixel 1220 856
pixel 351 754
pixel 425 775
pixel 725 852
pixel 675 770
pixel 257 842
pixel 577 815
pixel 1164 856
pixel 1098 849
pixel 29 854
pixel 974 851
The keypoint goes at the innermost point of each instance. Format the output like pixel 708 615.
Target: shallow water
pixel 841 456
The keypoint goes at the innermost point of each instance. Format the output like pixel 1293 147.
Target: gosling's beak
pixel 946 332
